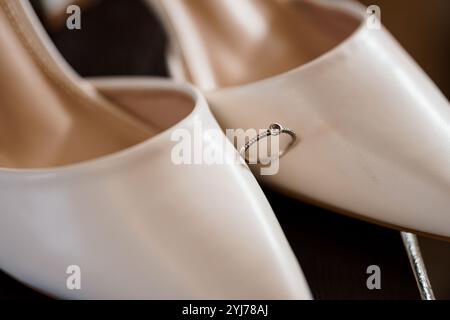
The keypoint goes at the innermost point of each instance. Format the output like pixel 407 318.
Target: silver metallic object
pixel 417 264
pixel 275 129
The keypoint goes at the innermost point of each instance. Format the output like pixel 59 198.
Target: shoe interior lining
pixel 161 109
pixel 227 43
pixel 43 125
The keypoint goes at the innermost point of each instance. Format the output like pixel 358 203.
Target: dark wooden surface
pixel 120 37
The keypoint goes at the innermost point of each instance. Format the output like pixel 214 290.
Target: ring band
pixel 275 129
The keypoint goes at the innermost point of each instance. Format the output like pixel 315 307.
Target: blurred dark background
pixel 121 37
pixel 423 28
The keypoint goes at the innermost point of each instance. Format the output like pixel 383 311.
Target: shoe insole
pixel 45 119
pixel 233 42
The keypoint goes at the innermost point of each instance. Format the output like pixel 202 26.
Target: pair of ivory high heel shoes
pixel 87 177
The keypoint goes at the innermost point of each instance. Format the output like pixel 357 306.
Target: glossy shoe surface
pixel 374 129
pixel 140 226
pixel 135 223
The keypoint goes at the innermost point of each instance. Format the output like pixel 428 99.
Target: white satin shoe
pixel 136 224
pixel 374 129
